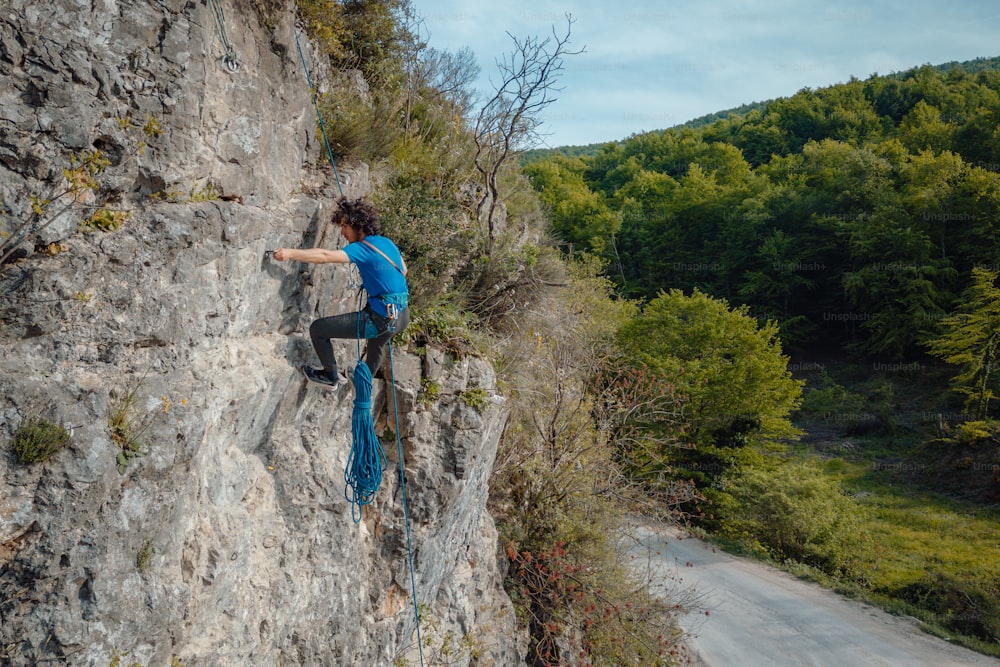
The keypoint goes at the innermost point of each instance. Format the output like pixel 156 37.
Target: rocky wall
pixel 226 540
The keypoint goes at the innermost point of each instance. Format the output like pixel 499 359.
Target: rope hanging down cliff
pixel 319 116
pixel 230 58
pixel 406 510
pixel 363 473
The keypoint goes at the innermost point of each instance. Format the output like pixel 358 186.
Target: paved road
pixel 758 615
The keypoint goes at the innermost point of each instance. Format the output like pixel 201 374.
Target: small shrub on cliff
pixel 37 439
pixel 439 646
pixel 143 556
pixel 126 425
pixel 447 326
pixel 117 660
pixel 105 220
pixel 207 192
pixel 475 398
pixel 323 22
pixel 430 391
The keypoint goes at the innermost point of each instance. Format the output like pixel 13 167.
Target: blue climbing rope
pixel 319 116
pixel 363 473
pixel 406 510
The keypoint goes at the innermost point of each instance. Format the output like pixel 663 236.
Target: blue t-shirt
pixel 378 276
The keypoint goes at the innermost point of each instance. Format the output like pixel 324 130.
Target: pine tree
pixel 971 339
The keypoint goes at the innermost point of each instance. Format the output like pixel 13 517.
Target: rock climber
pixel 383 275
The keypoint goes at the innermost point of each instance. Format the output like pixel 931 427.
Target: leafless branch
pixel 508 123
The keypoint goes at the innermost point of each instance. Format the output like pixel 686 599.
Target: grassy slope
pixel 933 509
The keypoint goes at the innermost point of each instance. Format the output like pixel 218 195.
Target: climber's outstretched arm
pixel 312 255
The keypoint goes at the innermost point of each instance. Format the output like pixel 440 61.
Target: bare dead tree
pixel 508 123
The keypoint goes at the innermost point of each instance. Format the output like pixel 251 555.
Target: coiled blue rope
pixel 363 474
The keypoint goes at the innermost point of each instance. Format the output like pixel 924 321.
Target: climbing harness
pixel 319 116
pixel 229 58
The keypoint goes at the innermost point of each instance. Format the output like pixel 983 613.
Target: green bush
pixel 475 398
pixel 325 26
pixel 827 398
pixel 126 424
pixel 446 325
pixel 105 220
pixel 794 512
pixel 37 439
pixel 971 608
pixel 430 232
pixel 976 433
pixel 360 130
pixel 729 366
pixel 430 391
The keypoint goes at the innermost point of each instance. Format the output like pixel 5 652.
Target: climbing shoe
pixel 320 376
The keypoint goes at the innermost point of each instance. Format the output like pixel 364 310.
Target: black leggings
pixel 346 326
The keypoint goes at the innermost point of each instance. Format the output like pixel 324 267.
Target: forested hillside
pixel 857 229
pixel 852 215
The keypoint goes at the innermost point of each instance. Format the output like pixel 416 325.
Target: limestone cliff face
pixel 228 541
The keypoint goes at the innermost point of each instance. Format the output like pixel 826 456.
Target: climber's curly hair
pixel 359 214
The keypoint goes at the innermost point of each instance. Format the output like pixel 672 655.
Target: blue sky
pixel 650 65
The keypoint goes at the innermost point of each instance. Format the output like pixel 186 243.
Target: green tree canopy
pixel 730 369
pixel 579 216
pixel 849 214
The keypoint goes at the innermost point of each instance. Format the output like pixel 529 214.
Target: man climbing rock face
pixel 383 275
